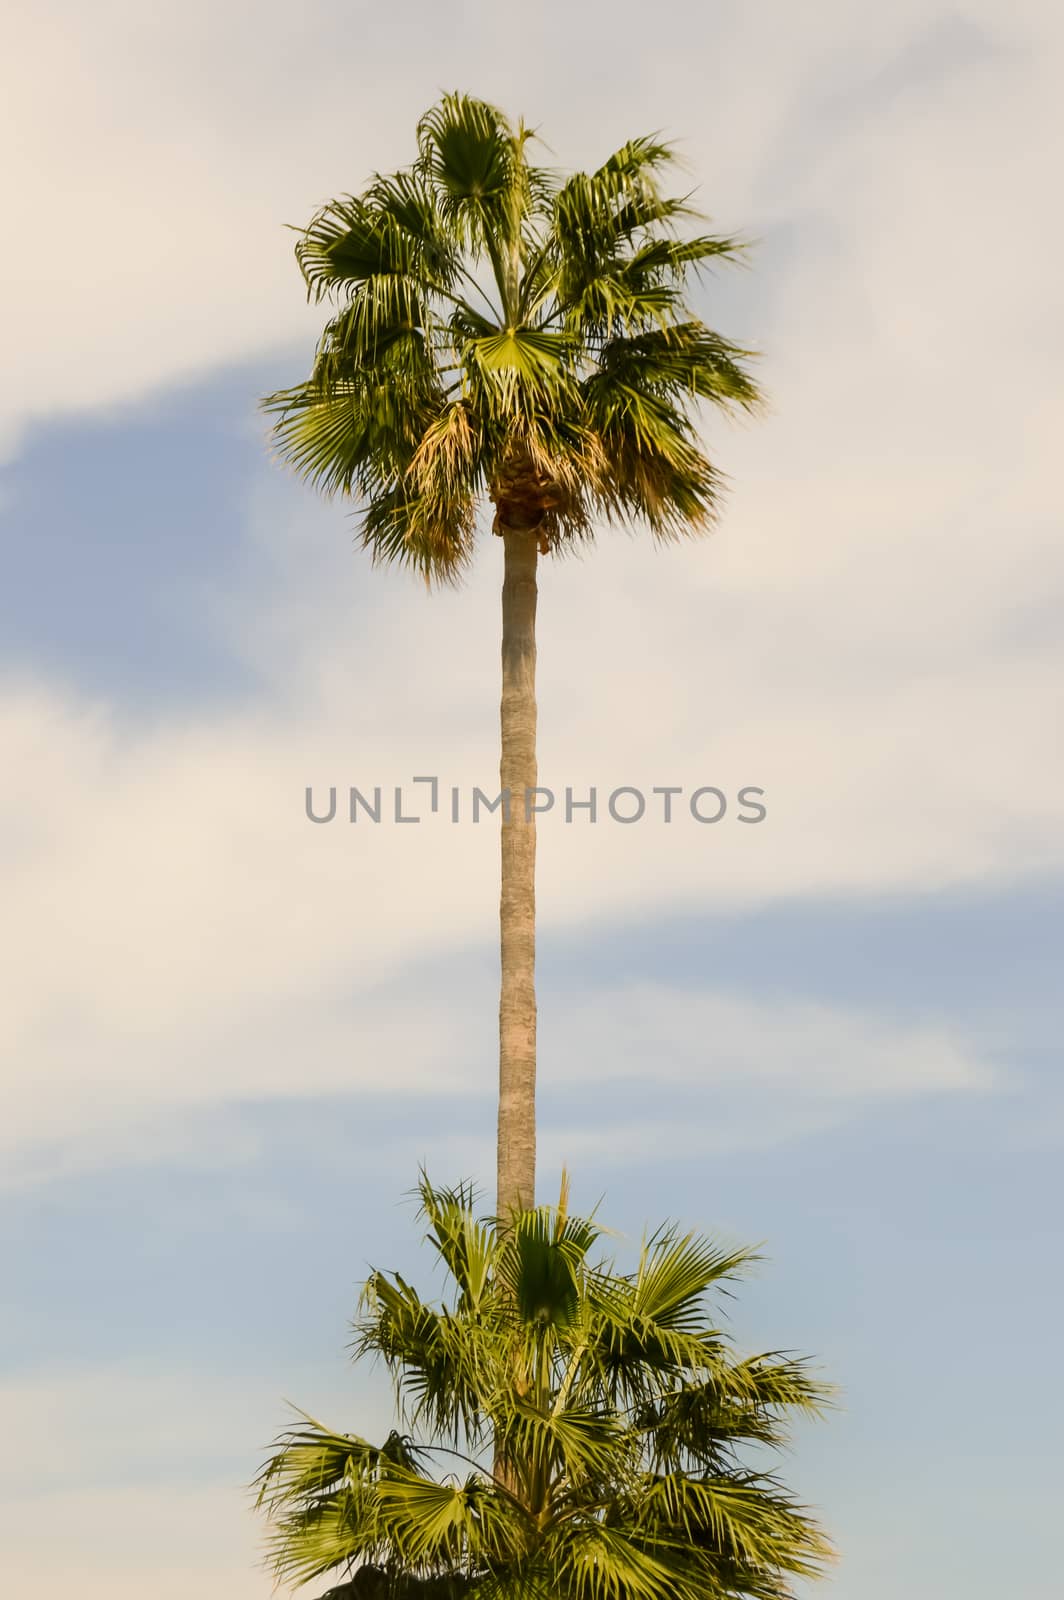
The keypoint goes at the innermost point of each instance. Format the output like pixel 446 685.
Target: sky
pixel 230 1036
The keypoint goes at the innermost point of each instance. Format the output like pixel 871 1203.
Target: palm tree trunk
pixel 517 907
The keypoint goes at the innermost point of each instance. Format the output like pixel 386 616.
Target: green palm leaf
pixel 614 1400
pixel 502 334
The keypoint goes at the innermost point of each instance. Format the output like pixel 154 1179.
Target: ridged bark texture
pixel 517 910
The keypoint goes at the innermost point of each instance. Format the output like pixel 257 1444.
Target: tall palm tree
pixel 499 333
pixel 625 1424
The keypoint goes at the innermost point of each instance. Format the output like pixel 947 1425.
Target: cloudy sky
pixel 229 1036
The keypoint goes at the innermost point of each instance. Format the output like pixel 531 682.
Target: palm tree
pixel 625 1425
pixel 500 334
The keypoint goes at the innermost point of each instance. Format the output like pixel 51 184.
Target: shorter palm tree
pixel 621 1413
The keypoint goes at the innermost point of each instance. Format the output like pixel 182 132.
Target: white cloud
pixel 146 1428
pixel 180 936
pixel 698 1039
pixel 176 932
pixel 102 1545
pixel 144 1474
pixel 160 153
pixel 734 1073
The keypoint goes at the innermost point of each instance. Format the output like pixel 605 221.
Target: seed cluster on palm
pixel 566 1431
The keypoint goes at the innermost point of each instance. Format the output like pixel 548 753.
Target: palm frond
pixel 503 332
pixel 685 361
pixel 674 1275
pixel 596 1561
pixel 744 1517
pixel 467 1246
pixel 467 152
pixel 326 437
pixel 618 1407
pixel 540 1264
pixel 354 240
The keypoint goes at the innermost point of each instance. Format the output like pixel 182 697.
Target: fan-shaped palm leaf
pixel 601 1499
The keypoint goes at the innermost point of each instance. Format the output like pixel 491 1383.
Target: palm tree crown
pixel 499 331
pixel 619 1409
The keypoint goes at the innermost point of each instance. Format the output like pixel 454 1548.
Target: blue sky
pixel 230 1037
